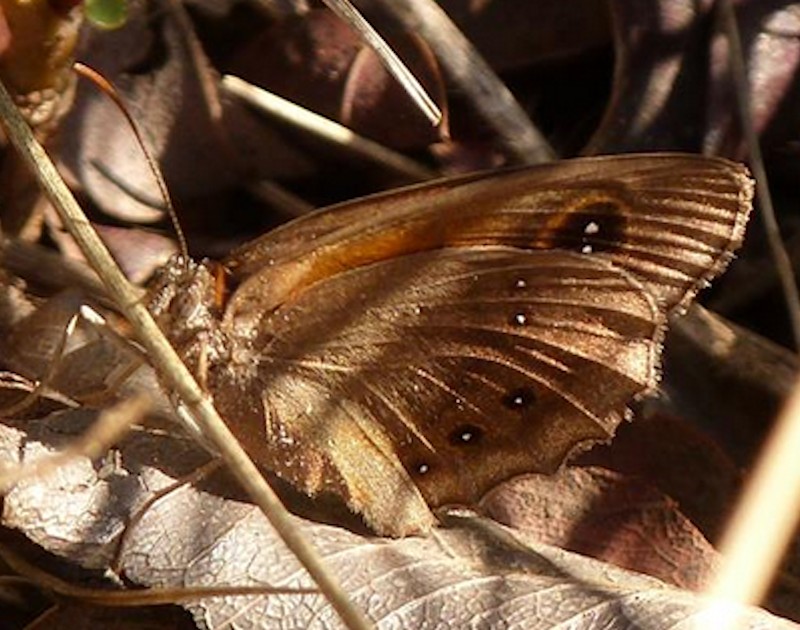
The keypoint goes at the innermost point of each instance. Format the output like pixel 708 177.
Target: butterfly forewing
pixel 672 220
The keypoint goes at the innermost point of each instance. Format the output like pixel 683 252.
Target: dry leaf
pixel 612 517
pixel 472 573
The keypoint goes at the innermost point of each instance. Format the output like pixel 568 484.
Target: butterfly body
pixel 416 348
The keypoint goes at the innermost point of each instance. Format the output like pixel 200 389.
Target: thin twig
pixel 134 598
pixel 323 128
pixel 44 382
pixel 474 78
pixel 767 514
pixel 783 263
pixel 175 375
pixel 277 197
pixel 47 268
pixel 111 425
pixel 393 64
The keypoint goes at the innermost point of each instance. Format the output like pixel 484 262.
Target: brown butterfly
pixel 415 348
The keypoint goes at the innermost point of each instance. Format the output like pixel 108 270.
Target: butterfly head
pixel 184 298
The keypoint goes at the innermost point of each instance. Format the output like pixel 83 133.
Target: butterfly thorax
pixel 183 299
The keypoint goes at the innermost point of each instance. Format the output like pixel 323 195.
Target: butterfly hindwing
pixel 455 368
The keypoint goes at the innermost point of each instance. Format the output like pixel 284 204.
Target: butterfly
pixel 415 348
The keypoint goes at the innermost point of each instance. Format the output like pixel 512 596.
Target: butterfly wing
pixel 435 375
pixel 671 220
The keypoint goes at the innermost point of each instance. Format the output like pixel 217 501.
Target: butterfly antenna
pixel 109 90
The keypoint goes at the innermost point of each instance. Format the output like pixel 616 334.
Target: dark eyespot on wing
pixel 594 225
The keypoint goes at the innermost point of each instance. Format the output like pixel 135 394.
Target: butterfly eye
pixel 519 399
